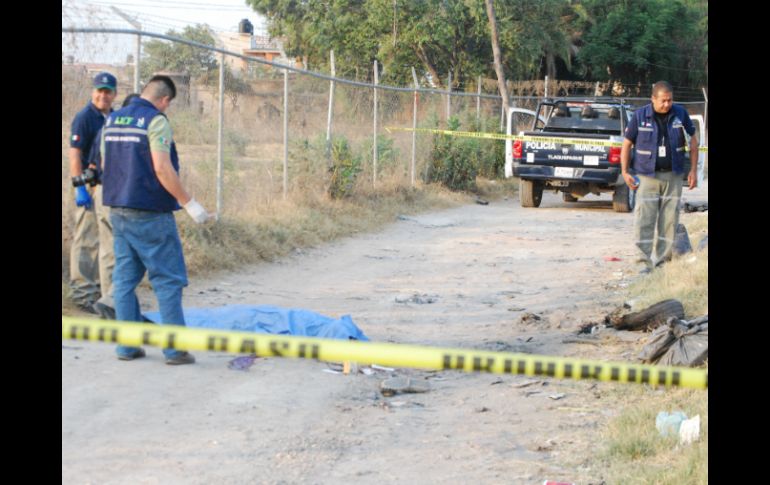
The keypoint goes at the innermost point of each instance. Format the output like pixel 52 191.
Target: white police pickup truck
pixel 572 153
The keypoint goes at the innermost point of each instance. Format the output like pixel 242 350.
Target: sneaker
pixel 130 353
pixel 104 311
pixel 180 358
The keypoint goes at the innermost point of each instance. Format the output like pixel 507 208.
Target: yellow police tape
pixel 394 355
pixel 500 136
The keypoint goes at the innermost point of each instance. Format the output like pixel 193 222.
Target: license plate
pixel 591 160
pixel 565 172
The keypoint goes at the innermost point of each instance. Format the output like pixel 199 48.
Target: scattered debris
pixel 668 424
pixel 349 367
pixel 689 430
pixel 647 319
pixel 382 368
pixel 548 446
pixel 482 202
pixel 394 385
pixel 527 383
pixel 557 396
pixel 703 244
pixel 529 317
pixel 482 409
pixel 699 206
pixel 612 258
pixel 533 393
pixel 679 342
pixel 496 381
pixel 242 363
pixel 417 298
pixel 580 341
pixel 682 240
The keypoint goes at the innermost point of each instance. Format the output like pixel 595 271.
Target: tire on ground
pixel 530 192
pixel 623 199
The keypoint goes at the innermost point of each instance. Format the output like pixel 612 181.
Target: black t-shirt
pixel 663 163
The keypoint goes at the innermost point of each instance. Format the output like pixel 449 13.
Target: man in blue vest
pixel 656 133
pixel 142 188
pixel 91 257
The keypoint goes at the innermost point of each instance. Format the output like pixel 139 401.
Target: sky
pixel 154 15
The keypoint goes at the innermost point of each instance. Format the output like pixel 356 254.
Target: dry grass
pixel 266 233
pixel 633 451
pixel 685 278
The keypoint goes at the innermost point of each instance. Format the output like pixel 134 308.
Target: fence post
pixel 478 101
pixel 285 132
pixel 220 132
pixel 414 126
pixel 331 107
pixel 449 96
pixel 374 145
pixel 705 128
pixel 138 50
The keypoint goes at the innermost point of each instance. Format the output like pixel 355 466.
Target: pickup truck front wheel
pixel 530 192
pixel 624 199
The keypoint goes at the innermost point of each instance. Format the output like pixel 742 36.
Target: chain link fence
pixel 262 152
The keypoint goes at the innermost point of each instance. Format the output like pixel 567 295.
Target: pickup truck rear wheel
pixel 624 199
pixel 530 192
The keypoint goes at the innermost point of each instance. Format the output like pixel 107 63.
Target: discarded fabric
pixel 270 319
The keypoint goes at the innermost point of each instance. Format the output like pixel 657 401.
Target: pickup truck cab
pixel 572 151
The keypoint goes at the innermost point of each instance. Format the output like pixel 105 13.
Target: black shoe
pixel 180 358
pixel 106 312
pixel 131 354
pixel 87 307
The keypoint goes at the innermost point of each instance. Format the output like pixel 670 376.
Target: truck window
pixel 585 119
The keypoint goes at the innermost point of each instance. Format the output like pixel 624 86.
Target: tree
pixel 645 41
pixel 162 55
pixel 497 54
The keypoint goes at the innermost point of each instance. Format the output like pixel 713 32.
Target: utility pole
pixel 138 50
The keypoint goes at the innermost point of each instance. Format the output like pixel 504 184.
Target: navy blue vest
pixel 646 144
pixel 129 178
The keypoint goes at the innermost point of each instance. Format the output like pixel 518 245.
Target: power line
pixel 164 7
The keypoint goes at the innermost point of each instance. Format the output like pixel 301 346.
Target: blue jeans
pixel 148 242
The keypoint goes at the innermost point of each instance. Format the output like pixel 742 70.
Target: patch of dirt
pixel 484 268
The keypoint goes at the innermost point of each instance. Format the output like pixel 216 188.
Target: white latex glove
pixel 196 211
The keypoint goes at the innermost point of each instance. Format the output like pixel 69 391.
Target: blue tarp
pixel 270 319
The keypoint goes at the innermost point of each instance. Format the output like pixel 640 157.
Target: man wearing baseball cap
pixel 91 254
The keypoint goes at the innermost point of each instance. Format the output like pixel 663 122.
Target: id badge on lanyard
pixel 662 148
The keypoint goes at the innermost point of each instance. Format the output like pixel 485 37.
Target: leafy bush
pixel 453 160
pixel 344 167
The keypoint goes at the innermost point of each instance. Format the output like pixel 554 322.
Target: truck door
pixel 700 129
pixel 519 119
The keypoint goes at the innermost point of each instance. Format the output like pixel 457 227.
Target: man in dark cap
pixel 90 259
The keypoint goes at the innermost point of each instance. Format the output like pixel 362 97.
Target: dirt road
pixel 492 271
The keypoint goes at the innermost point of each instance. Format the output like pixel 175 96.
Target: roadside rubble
pixel 679 342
